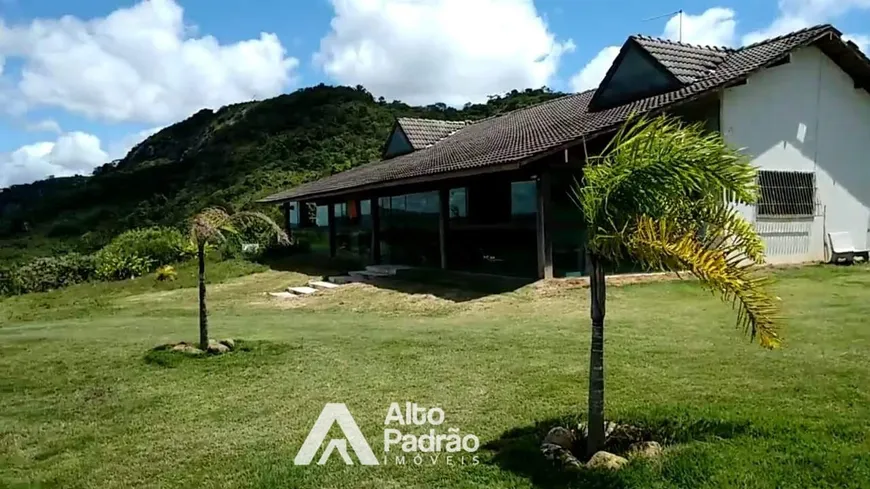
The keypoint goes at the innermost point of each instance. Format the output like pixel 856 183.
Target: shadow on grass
pixel 254 352
pixel 518 450
pixel 312 264
pixel 456 286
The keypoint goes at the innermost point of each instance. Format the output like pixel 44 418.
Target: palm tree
pixel 662 194
pixel 212 226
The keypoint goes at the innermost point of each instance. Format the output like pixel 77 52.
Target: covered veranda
pixel 513 220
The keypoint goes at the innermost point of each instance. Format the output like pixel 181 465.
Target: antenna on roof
pixel 678 12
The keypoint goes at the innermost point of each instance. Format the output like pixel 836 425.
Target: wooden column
pixel 443 223
pixel 545 244
pixel 304 216
pixel 376 231
pixel 330 219
pixel 285 208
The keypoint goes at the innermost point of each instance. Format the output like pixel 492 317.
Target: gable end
pixel 634 74
pixel 397 143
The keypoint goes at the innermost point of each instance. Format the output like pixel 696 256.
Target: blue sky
pixel 81 82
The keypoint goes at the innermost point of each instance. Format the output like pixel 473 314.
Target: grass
pixel 91 299
pixel 81 407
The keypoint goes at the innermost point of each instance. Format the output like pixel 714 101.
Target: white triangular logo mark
pixel 335 413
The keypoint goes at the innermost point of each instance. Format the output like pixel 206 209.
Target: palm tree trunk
pixel 595 441
pixel 203 312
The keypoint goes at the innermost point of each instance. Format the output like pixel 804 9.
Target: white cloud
pixel 140 64
pixel 862 41
pixel 713 27
pixel 72 153
pixel 450 51
pixel 592 74
pixel 45 125
pixel 797 14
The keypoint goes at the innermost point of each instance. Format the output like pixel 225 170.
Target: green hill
pixel 229 157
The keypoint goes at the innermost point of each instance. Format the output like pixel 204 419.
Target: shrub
pixel 166 273
pixel 114 265
pixel 158 245
pixel 8 285
pixel 42 274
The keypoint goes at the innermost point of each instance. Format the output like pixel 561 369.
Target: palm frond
pixel 208 226
pixel 214 223
pixel 661 166
pixel 662 193
pixel 722 257
pixel 247 218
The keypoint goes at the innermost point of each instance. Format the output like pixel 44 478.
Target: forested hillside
pixel 229 157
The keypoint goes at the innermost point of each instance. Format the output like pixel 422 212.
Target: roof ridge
pixel 723 49
pixel 787 35
pixel 504 114
pixel 464 121
pixel 539 104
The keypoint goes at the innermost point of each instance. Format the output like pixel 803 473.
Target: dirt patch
pixel 418 298
pixel 363 297
pixel 558 286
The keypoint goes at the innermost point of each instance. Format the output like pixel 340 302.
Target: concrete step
pixel 317 284
pixel 344 279
pixel 387 269
pixel 301 290
pixel 283 295
pixel 367 274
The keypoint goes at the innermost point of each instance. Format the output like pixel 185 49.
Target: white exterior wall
pixel 806 116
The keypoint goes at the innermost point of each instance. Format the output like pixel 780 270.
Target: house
pixel 492 196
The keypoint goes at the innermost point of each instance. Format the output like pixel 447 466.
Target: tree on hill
pixel 660 194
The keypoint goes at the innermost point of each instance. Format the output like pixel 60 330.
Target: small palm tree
pixel 662 193
pixel 212 226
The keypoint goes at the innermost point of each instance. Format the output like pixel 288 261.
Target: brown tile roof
pixel 687 62
pixel 423 133
pixel 515 137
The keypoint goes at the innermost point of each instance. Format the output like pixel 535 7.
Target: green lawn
pixel 80 407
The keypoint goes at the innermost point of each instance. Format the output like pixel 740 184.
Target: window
pixel 786 193
pixel 321 218
pixel 524 197
pixel 458 203
pixel 422 203
pixel 293 214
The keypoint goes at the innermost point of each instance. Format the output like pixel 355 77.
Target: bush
pixel 8 285
pixel 166 273
pixel 42 274
pixel 114 265
pixel 158 245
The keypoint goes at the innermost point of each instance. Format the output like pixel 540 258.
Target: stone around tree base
pixel 560 436
pixel 645 449
pixel 560 445
pixel 606 460
pixel 216 348
pixel 560 456
pixel 187 349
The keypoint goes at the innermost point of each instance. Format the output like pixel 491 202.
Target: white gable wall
pixel 806 116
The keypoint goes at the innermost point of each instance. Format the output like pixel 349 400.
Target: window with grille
pixel 786 193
